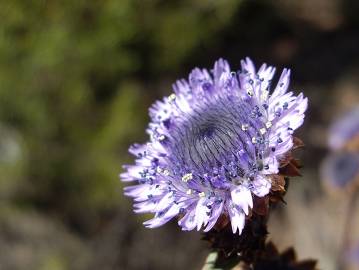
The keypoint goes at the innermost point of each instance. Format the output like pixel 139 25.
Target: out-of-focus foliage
pixel 61 93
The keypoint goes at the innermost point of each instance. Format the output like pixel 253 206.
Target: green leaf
pixel 211 261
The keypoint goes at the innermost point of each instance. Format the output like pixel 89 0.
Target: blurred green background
pixel 76 80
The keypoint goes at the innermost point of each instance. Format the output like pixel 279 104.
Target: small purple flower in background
pixel 344 130
pixel 214 143
pixel 341 168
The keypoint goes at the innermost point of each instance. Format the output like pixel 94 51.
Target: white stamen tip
pixel 268 124
pixel 264 96
pixel 187 177
pixel 171 97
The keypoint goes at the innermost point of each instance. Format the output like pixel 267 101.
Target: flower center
pixel 221 138
pixel 207 131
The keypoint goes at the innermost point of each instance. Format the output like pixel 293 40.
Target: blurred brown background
pixel 76 80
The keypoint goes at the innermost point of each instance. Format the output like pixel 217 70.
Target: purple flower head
pixel 340 169
pixel 213 144
pixel 344 129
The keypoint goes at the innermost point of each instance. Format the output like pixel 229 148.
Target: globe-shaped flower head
pixel 214 143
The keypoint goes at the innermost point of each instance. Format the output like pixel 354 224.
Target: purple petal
pixel 159 220
pixel 282 85
pixel 220 67
pixel 216 212
pixel 237 218
pixel 188 222
pixel 201 215
pixel 261 186
pixel 242 197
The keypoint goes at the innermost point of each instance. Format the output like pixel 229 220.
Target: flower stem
pixel 348 230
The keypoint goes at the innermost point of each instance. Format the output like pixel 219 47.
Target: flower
pixel 214 143
pixel 345 131
pixel 340 169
